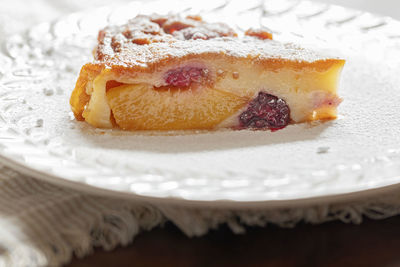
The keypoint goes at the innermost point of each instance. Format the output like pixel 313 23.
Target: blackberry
pixel 265 112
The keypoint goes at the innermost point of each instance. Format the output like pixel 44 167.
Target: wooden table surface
pixel 373 243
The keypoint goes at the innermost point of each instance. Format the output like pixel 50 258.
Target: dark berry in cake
pixel 265 111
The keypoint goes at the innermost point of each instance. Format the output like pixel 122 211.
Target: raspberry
pixel 265 112
pixel 183 77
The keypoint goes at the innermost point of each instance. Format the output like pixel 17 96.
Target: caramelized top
pixel 148 30
pixel 147 41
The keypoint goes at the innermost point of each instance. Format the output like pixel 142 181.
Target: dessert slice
pixel 169 73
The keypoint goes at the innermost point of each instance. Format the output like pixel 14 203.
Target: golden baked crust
pixel 146 42
pixel 147 46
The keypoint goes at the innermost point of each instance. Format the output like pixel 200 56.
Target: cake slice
pixel 172 73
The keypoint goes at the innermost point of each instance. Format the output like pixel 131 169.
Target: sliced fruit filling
pixel 144 107
pixel 195 96
pixel 190 102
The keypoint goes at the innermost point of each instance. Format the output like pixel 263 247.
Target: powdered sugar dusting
pixel 146 40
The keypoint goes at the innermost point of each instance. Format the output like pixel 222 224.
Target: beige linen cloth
pixel 45 225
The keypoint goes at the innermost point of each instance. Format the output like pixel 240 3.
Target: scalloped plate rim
pixel 218 203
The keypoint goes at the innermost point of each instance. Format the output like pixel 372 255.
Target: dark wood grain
pixel 373 243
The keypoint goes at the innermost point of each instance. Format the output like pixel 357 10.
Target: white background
pixel 383 7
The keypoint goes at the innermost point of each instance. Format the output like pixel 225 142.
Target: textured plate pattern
pixel 359 151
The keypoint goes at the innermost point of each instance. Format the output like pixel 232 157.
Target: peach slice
pixel 144 107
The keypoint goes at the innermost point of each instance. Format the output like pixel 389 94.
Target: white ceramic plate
pixel 359 153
